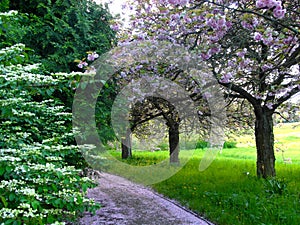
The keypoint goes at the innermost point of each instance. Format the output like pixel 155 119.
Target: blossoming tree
pixel 252 48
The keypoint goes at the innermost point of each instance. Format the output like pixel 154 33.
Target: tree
pixel 61 31
pixel 251 47
pixel 145 106
pixel 153 107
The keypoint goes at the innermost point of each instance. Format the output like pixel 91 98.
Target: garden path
pixel 127 203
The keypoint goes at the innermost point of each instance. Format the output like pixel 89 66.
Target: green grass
pixel 143 158
pixel 228 192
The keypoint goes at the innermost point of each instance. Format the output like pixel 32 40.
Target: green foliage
pixel 103 109
pixel 59 31
pixel 204 144
pixel 201 144
pixel 4 5
pixel 275 186
pixel 11 28
pixel 230 144
pixel 163 146
pixel 39 163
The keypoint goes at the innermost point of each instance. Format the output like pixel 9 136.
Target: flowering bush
pixel 39 165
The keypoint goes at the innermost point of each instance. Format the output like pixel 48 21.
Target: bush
pixel 201 144
pixel 229 144
pixel 163 146
pixel 39 166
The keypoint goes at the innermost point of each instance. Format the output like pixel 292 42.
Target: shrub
pixel 201 144
pixel 163 146
pixel 39 166
pixel 229 144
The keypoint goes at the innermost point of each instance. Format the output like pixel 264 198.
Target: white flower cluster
pixel 9 13
pixel 32 162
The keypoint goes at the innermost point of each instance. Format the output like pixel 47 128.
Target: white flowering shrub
pixel 39 161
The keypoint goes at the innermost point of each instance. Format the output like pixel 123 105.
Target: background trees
pixel 59 31
pixel 252 51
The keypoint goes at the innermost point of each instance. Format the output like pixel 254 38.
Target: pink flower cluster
pixel 91 57
pixel 226 78
pixel 178 2
pixel 278 10
pixel 82 64
pixel 220 27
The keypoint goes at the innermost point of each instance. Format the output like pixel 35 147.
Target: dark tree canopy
pixel 61 31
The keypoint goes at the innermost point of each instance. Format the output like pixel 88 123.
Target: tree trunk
pixel 264 136
pixel 126 145
pixel 174 142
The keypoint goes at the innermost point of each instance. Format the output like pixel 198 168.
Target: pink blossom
pixel 255 22
pixel 183 2
pixel 242 53
pixel 115 27
pixel 269 105
pixel 221 22
pixel 231 63
pixel 258 96
pixel 93 56
pixel 226 78
pixel 123 74
pixel 272 3
pixel 82 64
pixel 228 24
pixel 267 3
pixel 257 36
pixel 174 2
pixel 214 50
pixel 261 4
pixel 205 56
pixel 265 67
pixel 207 95
pixel 269 40
pixel 212 23
pixel 244 63
pixel 175 17
pixel 288 40
pixel 279 13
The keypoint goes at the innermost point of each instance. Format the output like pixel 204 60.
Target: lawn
pixel 228 192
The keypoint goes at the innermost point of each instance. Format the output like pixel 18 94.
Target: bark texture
pixel 264 137
pixel 174 142
pixel 126 145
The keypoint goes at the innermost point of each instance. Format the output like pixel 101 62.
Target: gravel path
pixel 126 203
